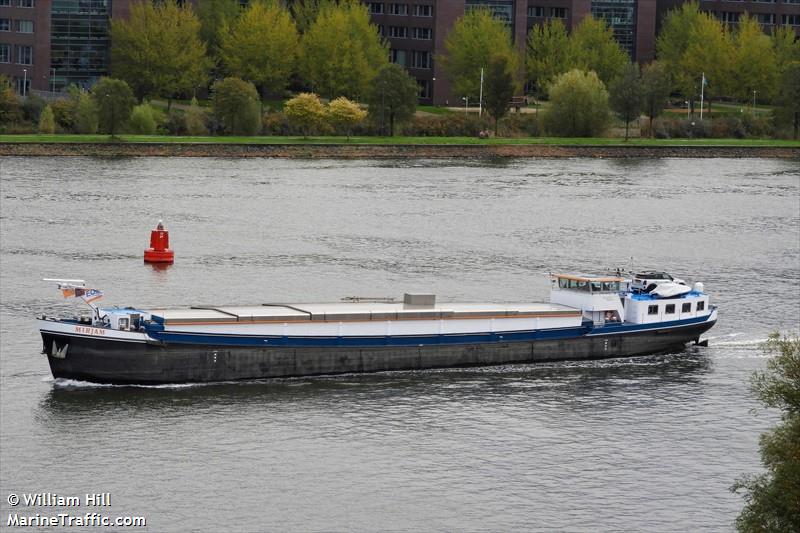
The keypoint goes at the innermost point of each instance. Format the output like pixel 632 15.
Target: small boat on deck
pixel 588 317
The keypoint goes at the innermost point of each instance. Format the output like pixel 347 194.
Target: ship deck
pixel 355 311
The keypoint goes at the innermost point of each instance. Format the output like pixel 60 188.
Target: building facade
pixel 47 44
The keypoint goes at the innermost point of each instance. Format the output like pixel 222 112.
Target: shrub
pixel 345 115
pixel 32 108
pixel 64 112
pixel 47 123
pixel 305 112
pixel 195 119
pixel 86 120
pixel 142 120
pixel 175 123
pixel 10 108
pixel 236 106
pixel 578 105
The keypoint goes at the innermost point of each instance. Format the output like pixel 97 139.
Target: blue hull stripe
pixel 410 340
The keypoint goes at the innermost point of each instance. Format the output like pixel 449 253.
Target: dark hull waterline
pixel 108 361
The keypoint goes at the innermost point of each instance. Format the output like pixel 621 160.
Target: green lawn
pixel 434 109
pixel 595 141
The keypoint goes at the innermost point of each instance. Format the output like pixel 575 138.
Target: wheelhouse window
pixel 686 308
pixel 669 309
pixel 701 306
pixel 652 309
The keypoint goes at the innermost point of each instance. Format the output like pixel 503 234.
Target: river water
pixel 647 444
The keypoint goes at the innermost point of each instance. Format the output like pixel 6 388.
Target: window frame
pixel 686 307
pixel 652 310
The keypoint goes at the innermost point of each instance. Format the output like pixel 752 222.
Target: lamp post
pixel 24 82
pixel 687 107
pixel 754 102
pixel 466 104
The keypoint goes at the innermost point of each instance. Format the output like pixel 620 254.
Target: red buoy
pixel 159 251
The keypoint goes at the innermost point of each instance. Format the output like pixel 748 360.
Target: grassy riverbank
pixel 399 141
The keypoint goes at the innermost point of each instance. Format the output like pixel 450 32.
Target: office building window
pixel 500 9
pixel 25 55
pixel 5 24
pixel 397 56
pixel 422 33
pixel 25 3
pixel 729 17
pixel 765 1
pixel 376 8
pixel 5 3
pixel 767 19
pixel 791 20
pixel 423 10
pixel 558 12
pixel 25 26
pixel 5 53
pixel 791 1
pixel 420 59
pixel 398 32
pixel 398 9
pixel 424 88
pixel 535 11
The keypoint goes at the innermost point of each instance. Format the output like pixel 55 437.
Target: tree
pixel 593 47
pixel 236 106
pixel 788 99
pixel 142 120
pixel 213 16
pixel 691 44
pixel 47 123
pixel 627 95
pixel 305 111
pixel 673 41
pixel 547 54
pixel 786 46
pixel 709 54
pixel 655 90
pixel 305 12
pixel 345 114
pixel 158 50
pixel 393 97
pixel 578 105
pixel 260 46
pixel 754 67
pixel 474 39
pixel 498 88
pixel 771 499
pixel 341 52
pixel 114 102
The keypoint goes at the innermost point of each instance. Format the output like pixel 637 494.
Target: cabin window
pixel 669 309
pixel 686 308
pixel 123 323
pixel 701 305
pixel 652 309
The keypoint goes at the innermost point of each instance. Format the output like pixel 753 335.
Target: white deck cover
pixel 367 319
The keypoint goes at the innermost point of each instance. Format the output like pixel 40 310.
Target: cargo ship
pixel 587 317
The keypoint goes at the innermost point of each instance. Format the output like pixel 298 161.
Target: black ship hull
pixel 109 361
